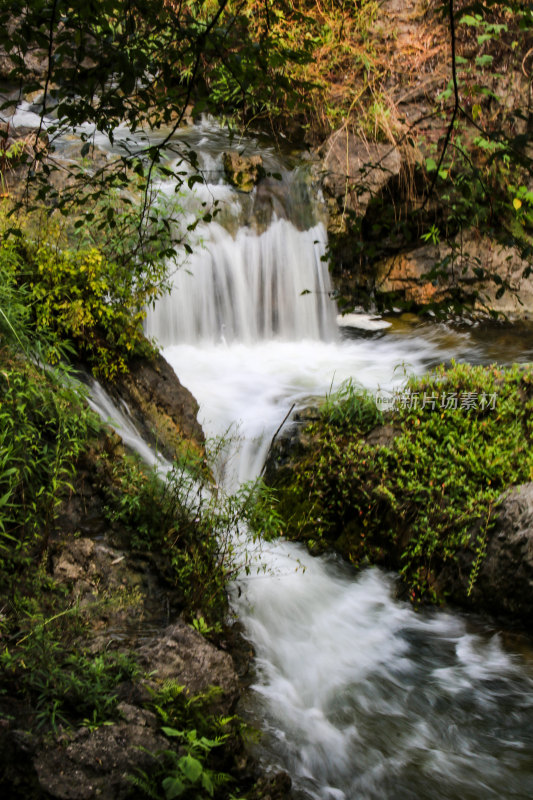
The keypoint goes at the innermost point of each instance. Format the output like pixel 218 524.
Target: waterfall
pixel 358 697
pixel 258 271
pixel 249 288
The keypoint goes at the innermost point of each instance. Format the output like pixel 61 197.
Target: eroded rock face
pixel 180 653
pixel 100 763
pixel 243 172
pixel 164 410
pixel 474 264
pixel 356 171
pixel 505 581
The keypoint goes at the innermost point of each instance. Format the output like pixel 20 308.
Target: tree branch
pixel 190 85
pixel 456 104
pixel 48 68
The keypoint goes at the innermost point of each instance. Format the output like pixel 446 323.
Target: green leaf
pixel 468 19
pixel 5 498
pixel 172 732
pixel 191 768
pixel 208 784
pixel 174 787
pixel 194 179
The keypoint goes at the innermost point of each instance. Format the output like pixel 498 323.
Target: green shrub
pixel 75 294
pixel 43 428
pixel 84 298
pixel 414 500
pixel 193 525
pixel 351 408
pixel 60 681
pixel 195 766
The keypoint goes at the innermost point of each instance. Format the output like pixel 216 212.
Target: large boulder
pixel 504 584
pixel 165 411
pixel 355 171
pixel 181 654
pixel 101 763
pixel 474 264
pixel 243 172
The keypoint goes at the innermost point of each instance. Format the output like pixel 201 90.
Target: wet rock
pixel 180 653
pixel 289 446
pixel 164 410
pixel 273 787
pixel 100 763
pixel 37 99
pixel 474 265
pixel 243 172
pixel 355 171
pixel 504 585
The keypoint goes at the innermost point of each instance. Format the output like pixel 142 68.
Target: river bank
pixel 105 611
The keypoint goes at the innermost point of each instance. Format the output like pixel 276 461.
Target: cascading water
pixel 359 697
pixel 250 288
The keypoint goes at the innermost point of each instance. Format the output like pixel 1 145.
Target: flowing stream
pixel 358 696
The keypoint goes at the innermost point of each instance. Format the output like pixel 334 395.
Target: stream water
pixel 358 696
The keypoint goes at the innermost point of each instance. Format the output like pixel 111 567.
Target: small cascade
pixel 258 271
pixel 122 422
pixel 250 288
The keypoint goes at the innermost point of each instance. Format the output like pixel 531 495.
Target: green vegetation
pixel 192 527
pixel 76 295
pixel 338 73
pixel 461 126
pixel 194 771
pixel 44 426
pixel 150 65
pixel 75 285
pixel 479 173
pixel 43 429
pixel 56 674
pixel 412 497
pixel 61 683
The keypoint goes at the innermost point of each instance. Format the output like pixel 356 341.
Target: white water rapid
pixel 358 696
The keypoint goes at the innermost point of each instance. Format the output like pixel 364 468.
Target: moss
pixel 412 501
